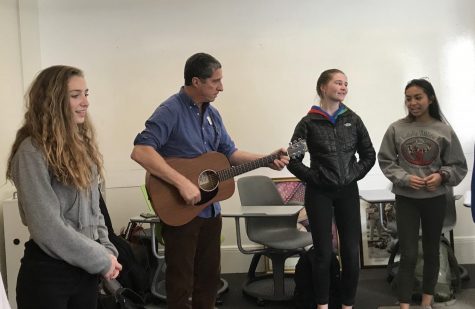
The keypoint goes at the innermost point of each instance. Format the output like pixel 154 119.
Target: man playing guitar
pixel 186 125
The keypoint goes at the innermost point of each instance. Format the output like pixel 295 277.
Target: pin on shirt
pixel 209 120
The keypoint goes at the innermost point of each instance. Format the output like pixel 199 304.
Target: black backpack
pixel 304 295
pixel 113 296
pixel 134 275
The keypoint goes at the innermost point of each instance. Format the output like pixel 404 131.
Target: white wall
pixel 272 53
pixel 133 53
pixel 10 97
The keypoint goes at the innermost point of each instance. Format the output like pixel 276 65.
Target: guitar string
pixel 261 162
pixel 240 169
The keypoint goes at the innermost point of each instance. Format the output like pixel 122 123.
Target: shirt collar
pixel 186 99
pixel 315 109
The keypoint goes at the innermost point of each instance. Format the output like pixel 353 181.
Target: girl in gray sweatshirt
pixel 55 166
pixel 421 155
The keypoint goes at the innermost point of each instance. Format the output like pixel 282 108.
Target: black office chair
pixel 279 235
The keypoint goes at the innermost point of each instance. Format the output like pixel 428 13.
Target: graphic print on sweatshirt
pixel 421 149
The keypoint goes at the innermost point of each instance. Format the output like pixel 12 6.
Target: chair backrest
pixel 146 197
pixel 258 191
pixel 261 191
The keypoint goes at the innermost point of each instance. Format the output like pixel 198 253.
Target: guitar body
pixel 212 174
pixel 167 201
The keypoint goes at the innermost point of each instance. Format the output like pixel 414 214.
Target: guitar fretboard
pixel 246 167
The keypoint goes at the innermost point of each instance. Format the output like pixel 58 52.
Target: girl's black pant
pixel 411 215
pixel 342 204
pixel 45 283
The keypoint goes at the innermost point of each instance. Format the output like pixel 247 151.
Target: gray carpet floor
pixel 464 300
pixel 373 293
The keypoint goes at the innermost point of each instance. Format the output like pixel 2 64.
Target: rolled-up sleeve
pixel 158 128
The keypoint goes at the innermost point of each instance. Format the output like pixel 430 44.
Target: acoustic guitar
pixel 212 174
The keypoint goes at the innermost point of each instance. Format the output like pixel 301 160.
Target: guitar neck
pixel 246 167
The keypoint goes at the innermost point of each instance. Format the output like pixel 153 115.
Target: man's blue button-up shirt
pixel 177 129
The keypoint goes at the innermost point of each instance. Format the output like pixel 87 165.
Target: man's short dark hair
pixel 200 65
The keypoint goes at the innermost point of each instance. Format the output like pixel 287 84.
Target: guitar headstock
pixel 297 148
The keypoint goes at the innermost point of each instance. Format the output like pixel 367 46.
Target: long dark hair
pixel 426 86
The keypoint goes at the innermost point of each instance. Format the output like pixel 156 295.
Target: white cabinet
pixel 16 234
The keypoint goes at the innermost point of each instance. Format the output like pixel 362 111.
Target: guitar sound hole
pixel 208 180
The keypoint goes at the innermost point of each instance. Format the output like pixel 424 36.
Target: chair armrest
pixel 155 251
pixel 239 241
